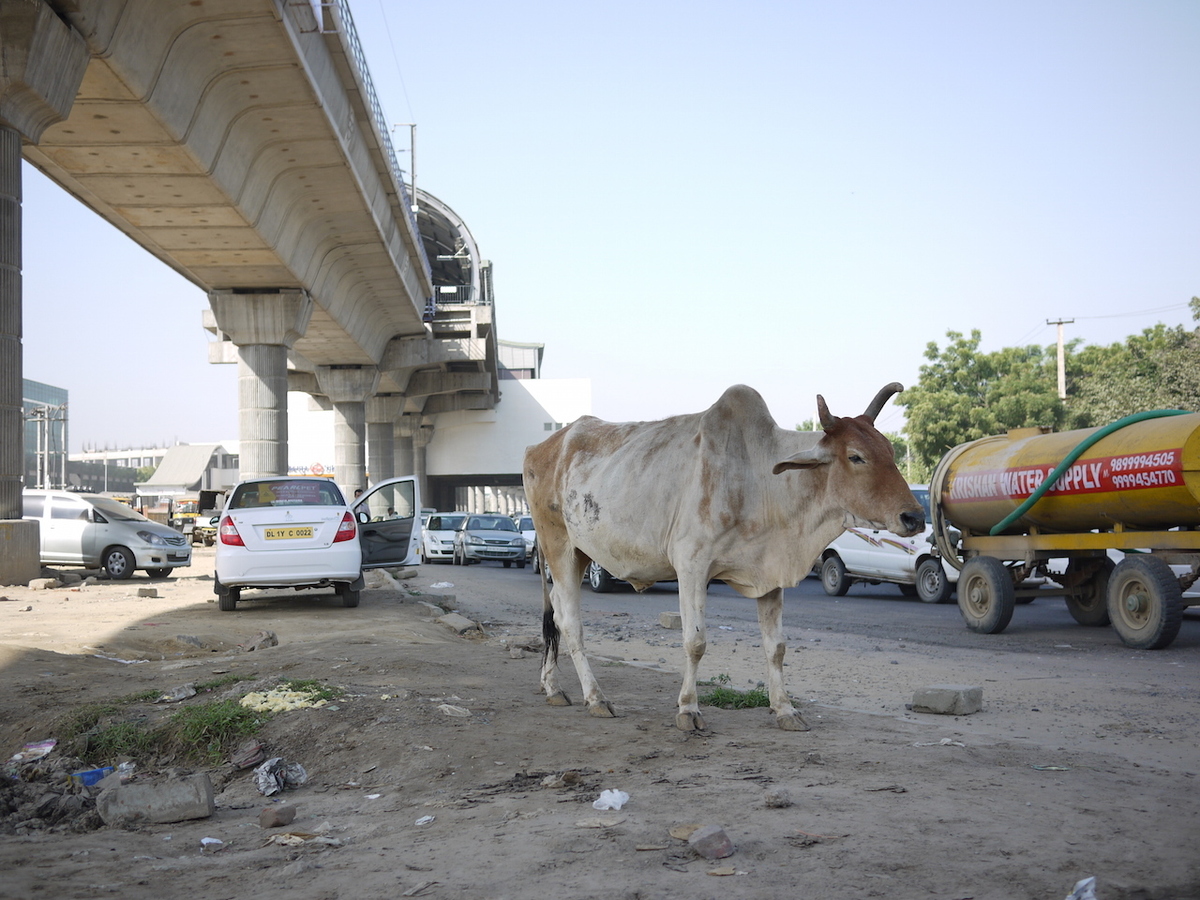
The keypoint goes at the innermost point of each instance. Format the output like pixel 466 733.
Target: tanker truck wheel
pixel 986 597
pixel 1090 605
pixel 1145 602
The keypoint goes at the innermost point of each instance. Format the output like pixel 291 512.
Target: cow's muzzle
pixel 913 522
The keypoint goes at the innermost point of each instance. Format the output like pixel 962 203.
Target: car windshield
pixel 526 524
pixel 296 492
pixel 444 523
pixel 491 523
pixel 922 495
pixel 116 511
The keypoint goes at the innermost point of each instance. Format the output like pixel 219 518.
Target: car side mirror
pixel 364 518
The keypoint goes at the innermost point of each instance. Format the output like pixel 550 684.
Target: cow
pixel 723 494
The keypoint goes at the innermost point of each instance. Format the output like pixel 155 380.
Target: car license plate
pixel 284 534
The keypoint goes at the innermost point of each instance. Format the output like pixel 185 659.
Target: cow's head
pixel 862 478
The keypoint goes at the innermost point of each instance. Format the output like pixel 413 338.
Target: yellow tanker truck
pixel 1003 507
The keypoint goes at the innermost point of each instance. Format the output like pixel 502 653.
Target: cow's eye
pixel 856 459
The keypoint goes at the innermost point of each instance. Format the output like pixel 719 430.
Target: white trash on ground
pixel 610 800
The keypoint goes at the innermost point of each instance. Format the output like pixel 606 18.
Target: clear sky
pixel 680 196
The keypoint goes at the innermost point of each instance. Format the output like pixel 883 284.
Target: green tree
pixel 1157 369
pixel 963 394
pixel 143 474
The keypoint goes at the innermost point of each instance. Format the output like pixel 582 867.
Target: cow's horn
pixel 827 421
pixel 885 394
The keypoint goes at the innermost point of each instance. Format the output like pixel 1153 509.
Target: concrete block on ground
pixel 948 699
pixel 276 816
pixel 43 584
pixel 147 592
pixel 670 620
pixel 161 802
pixel 458 624
pixel 429 609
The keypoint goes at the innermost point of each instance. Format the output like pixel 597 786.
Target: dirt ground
pixel 1061 776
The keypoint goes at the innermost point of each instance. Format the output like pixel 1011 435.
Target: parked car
pixel 876 556
pixel 525 526
pixel 437 537
pixel 100 533
pixel 489 536
pixel 280 532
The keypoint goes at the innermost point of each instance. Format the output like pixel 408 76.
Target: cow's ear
pixel 805 459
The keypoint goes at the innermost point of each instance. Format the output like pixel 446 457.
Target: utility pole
pixel 1062 357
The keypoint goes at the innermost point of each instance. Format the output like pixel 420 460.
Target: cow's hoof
pixel 689 721
pixel 558 698
pixel 602 710
pixel 792 722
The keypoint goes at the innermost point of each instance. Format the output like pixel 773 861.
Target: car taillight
pixel 346 530
pixel 229 533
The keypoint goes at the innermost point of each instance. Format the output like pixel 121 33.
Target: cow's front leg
pixel 692 596
pixel 770 620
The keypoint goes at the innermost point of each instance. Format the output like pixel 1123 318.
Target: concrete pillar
pixel 348 388
pixel 403 446
pixel 382 411
pixel 42 61
pixel 263 326
pixel 421 438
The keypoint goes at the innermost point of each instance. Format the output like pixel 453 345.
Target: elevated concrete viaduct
pixel 241 142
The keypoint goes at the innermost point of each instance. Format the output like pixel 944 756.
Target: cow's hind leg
pixel 567 622
pixel 693 594
pixel 555 695
pixel 770 619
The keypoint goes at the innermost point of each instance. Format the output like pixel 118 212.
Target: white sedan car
pixel 280 532
pixel 437 537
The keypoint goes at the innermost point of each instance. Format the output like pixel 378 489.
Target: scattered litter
pixel 643 847
pixel 298 838
pixel 33 751
pixel 128 662
pixel 683 832
pixel 944 742
pixel 724 870
pixel 374 796
pixel 725 627
pixel 610 800
pixel 1052 768
pixel 213 844
pixel 424 820
pixel 416 889
pixel 442 584
pixel 180 693
pixel 451 710
pixel 277 774
pixel 893 788
pixel 281 699
pixel 250 753
pixel 90 777
pixel 1085 889
pixel 600 822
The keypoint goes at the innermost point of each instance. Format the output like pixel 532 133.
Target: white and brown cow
pixel 723 494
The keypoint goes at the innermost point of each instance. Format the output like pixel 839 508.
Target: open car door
pixel 389 523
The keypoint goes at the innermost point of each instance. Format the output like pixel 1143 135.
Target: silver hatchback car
pixel 101 533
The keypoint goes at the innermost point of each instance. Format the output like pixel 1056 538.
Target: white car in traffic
pixel 437 536
pixel 281 532
pixel 875 556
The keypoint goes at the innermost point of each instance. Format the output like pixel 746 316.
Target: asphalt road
pixel 869 611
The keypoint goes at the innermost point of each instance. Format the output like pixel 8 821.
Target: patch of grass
pixel 140 697
pixel 205 730
pixel 83 719
pixel 120 739
pixel 218 683
pixel 319 690
pixel 727 697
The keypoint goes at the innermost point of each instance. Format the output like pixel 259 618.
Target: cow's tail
pixel 550 633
